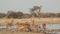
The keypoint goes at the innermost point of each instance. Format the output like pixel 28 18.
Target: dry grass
pixel 37 20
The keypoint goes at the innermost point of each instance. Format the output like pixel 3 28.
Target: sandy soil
pixel 36 20
pixel 15 32
pixel 19 33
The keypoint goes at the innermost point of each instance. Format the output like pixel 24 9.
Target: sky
pixel 48 6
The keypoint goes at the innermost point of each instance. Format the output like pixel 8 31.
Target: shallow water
pixel 49 26
pixel 53 26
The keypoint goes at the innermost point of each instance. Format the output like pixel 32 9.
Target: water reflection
pixel 53 26
pixel 5 26
pixel 48 26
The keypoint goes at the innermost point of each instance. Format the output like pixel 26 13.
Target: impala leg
pixel 44 28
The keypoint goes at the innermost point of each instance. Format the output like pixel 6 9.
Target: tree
pixel 2 15
pixel 11 14
pixel 19 14
pixel 35 10
pixel 58 14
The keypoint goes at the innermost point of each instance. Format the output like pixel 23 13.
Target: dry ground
pixel 19 33
pixel 3 21
pixel 15 32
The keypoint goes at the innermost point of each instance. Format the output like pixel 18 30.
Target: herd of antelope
pixel 26 27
